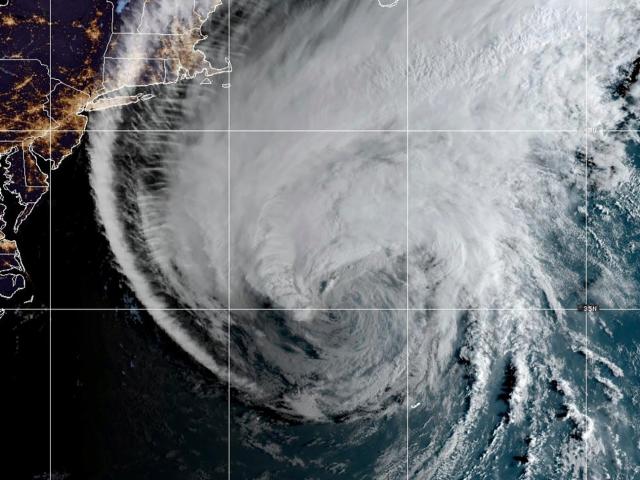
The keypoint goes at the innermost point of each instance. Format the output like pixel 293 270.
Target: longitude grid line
pixel 50 242
pixel 586 229
pixel 229 241
pixel 407 131
pixel 407 233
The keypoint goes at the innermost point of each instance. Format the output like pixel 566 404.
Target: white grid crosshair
pixel 407 131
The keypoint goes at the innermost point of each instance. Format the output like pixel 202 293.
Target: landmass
pixel 57 65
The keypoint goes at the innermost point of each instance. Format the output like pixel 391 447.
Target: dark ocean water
pixel 128 402
pixel 129 405
pixel 24 368
pixel 125 396
pixel 84 273
pixel 492 395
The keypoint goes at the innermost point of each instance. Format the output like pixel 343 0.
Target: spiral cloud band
pixel 311 234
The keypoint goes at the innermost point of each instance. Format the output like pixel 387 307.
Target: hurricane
pixel 349 232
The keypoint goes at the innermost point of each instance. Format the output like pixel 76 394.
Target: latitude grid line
pixel 310 309
pixel 308 130
pixel 315 131
pixel 407 131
